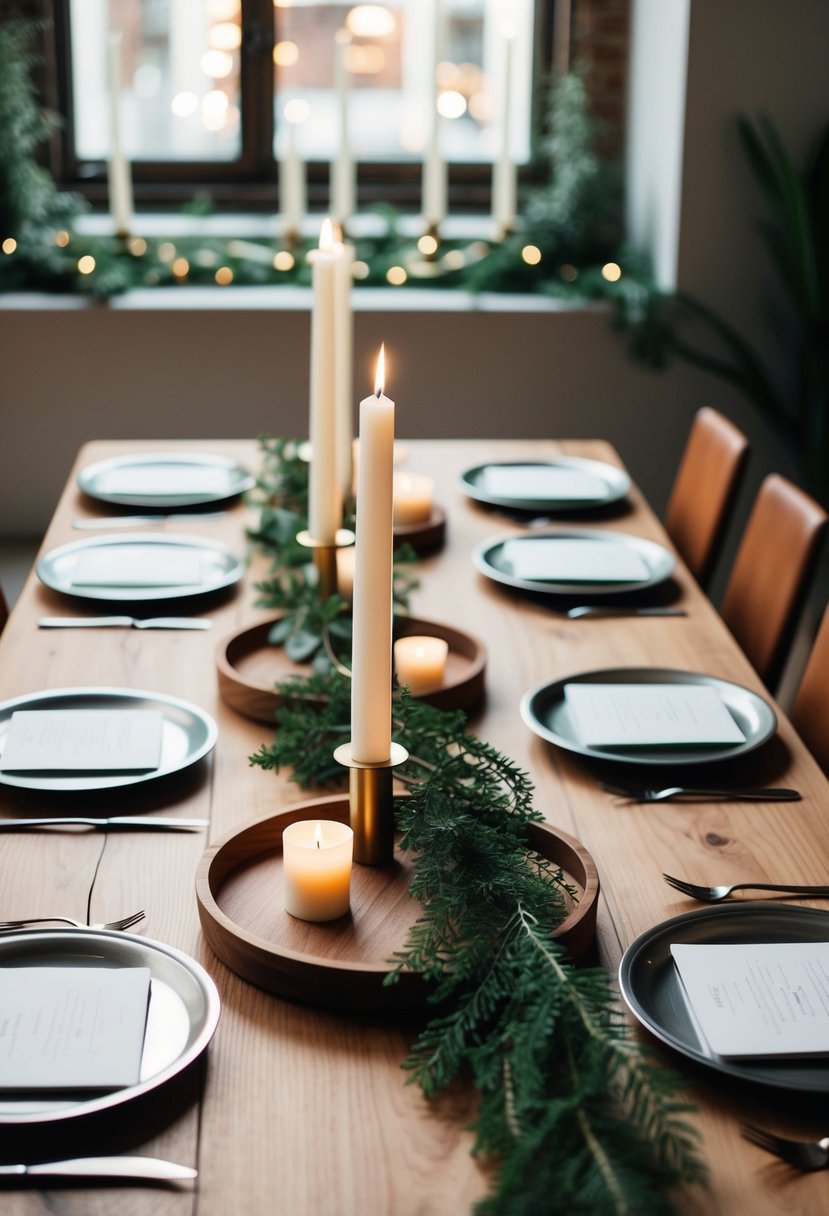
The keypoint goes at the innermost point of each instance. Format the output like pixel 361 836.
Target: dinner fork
pixel 714 895
pixel 803 1155
pixel 126 922
pixel 778 794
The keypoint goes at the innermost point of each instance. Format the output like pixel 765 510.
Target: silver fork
pixel 803 1155
pixel 125 922
pixel 714 895
pixel 773 794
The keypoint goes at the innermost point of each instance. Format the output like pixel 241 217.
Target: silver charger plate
pixel 182 1014
pixel 544 710
pixel 616 484
pixel 188 733
pixel 653 990
pixel 92 478
pixel 492 559
pixel 220 567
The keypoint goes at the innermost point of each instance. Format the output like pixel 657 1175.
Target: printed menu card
pixel 575 561
pixel 85 740
pixel 542 482
pixel 160 481
pixel 64 1028
pixel 648 715
pixel 758 1000
pixel 138 566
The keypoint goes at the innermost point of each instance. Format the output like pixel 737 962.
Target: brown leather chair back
pixel 704 489
pixel 771 573
pixel 810 711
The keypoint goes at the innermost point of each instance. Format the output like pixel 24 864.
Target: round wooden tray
pixel 249 667
pixel 341 965
pixel 424 536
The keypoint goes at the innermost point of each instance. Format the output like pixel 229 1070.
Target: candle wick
pixel 317 843
pixel 378 393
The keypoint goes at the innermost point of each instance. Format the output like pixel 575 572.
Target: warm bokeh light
pixel 284 260
pixel 446 74
pixel 217 64
pixel 226 36
pixel 137 246
pixel 365 60
pixel 370 21
pixel 360 270
pixel 612 272
pixel 9 245
pixel 223 276
pixel 480 107
pixel 166 251
pixel 180 268
pixel 380 373
pixel 296 110
pixel 568 273
pixel 285 54
pixel 62 238
pixel 222 10
pixel 184 104
pixel 453 259
pixel 451 104
pixel 214 103
pixel 86 264
pixel 396 275
pixel 427 245
pixel 531 255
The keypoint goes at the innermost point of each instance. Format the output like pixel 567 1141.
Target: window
pixel 204 86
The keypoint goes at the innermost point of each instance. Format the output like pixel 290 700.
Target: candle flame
pixel 380 377
pixel 327 235
pixel 318 840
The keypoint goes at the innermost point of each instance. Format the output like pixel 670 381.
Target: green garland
pixel 576 1116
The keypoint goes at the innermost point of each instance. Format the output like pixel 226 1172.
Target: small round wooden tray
pixel 341 965
pixel 424 536
pixel 249 667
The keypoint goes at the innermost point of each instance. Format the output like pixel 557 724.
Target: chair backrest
pixel 704 489
pixel 771 572
pixel 810 711
pixel 4 610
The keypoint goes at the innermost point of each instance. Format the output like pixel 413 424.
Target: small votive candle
pixel 420 662
pixel 316 860
pixel 412 498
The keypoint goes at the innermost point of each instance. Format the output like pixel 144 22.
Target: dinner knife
pixel 130 622
pixel 149 1169
pixel 117 821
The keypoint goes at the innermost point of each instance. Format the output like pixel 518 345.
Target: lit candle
pixel 324 497
pixel 420 662
pixel 344 369
pixel 292 196
pixel 118 169
pixel 372 617
pixel 412 498
pixel 434 166
pixel 316 866
pixel 503 169
pixel 343 188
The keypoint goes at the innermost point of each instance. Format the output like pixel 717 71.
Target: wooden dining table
pixel 301 1110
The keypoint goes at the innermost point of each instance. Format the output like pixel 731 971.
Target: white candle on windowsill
pixel 434 166
pixel 343 183
pixel 292 192
pixel 412 498
pixel 420 662
pixel 316 868
pixel 324 495
pixel 372 615
pixel 119 176
pixel 504 168
pixel 344 369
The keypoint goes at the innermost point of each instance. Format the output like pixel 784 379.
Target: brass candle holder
pixel 325 556
pixel 371 804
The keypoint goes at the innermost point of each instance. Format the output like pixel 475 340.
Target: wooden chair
pixel 810 711
pixel 4 610
pixel 771 573
pixel 704 490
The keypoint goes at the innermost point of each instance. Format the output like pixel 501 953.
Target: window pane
pixel 179 68
pixel 390 60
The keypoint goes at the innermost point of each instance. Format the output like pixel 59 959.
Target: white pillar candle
pixel 372 617
pixel 324 496
pixel 344 369
pixel 412 498
pixel 434 166
pixel 118 169
pixel 316 868
pixel 343 184
pixel 292 192
pixel 420 662
pixel 504 169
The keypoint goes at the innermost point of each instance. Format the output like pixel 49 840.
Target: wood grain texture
pixel 305 1111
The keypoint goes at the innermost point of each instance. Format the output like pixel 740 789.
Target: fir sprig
pixel 572 1111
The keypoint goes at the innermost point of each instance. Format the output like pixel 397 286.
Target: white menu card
pixel 575 561
pixel 758 1000
pixel 648 715
pixel 138 566
pixel 162 481
pixel 64 1028
pixel 522 481
pixel 86 740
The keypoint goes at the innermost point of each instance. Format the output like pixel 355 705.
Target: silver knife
pixel 117 821
pixel 596 610
pixel 150 1169
pixel 125 622
pixel 135 521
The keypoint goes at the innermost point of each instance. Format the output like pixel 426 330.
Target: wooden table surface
pixel 305 1112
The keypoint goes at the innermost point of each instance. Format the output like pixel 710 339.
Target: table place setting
pixel 123 622
pixel 568 483
pixel 164 480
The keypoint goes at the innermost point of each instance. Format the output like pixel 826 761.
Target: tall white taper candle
pixel 119 177
pixel 344 370
pixel 434 166
pixel 292 193
pixel 324 497
pixel 343 184
pixel 503 169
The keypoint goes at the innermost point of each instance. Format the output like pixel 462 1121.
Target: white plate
pixel 544 710
pixel 492 559
pixel 220 567
pixel 92 479
pixel 182 1016
pixel 615 481
pixel 187 734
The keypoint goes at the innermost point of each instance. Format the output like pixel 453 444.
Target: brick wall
pixel 600 31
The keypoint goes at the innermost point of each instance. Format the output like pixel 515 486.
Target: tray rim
pixel 88 472
pixel 534 505
pixel 424 536
pixel 576 932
